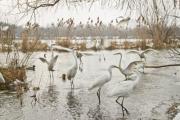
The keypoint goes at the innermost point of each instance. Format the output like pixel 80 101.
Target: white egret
pixel 2 80
pixel 141 54
pixel 131 68
pixel 99 46
pixel 73 69
pixel 124 89
pixel 50 63
pixel 101 80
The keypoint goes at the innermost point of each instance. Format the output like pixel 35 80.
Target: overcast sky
pixel 81 13
pixel 47 16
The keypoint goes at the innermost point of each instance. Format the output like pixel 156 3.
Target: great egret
pixel 73 69
pixel 79 56
pixel 131 68
pixel 50 63
pixel 99 46
pixel 2 80
pixel 101 80
pixel 141 54
pixel 123 90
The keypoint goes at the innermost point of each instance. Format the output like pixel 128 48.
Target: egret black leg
pixel 127 112
pixel 50 77
pixel 99 96
pixel 121 104
pixel 72 84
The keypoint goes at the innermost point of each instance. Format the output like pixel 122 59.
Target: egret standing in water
pixel 73 69
pixel 50 63
pixel 131 68
pixel 99 46
pixel 101 80
pixel 124 89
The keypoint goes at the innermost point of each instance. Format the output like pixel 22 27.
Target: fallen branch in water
pixel 160 66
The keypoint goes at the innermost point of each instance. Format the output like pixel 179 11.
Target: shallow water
pixel 157 90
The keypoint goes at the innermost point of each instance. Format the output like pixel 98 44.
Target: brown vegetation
pixel 64 42
pixel 10 75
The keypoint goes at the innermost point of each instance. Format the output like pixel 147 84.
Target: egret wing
pixel 133 52
pixel 99 82
pixel 60 48
pixel 89 53
pixel 135 64
pixel 149 50
pixel 44 60
pixel 122 89
pixel 53 61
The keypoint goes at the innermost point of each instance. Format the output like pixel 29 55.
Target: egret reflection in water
pixel 98 113
pixel 74 106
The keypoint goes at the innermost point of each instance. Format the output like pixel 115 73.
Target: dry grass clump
pixel 11 74
pixel 172 110
pixel 141 44
pixel 82 46
pixel 128 45
pixel 64 42
pixel 33 45
pixel 113 45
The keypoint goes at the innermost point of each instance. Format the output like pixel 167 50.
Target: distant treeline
pixel 80 30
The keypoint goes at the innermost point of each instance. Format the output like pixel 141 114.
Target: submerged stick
pixel 160 66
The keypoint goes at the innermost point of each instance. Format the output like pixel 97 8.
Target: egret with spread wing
pixel 73 69
pixel 50 63
pixel 141 54
pixel 131 68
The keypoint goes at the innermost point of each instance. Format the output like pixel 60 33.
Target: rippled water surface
pixel 157 90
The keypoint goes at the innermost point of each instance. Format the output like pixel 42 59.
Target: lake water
pixel 157 90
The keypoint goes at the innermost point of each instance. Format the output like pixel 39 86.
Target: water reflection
pixel 74 106
pixel 98 114
pixel 50 97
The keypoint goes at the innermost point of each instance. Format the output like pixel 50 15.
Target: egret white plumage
pixel 101 80
pixel 50 63
pixel 131 68
pixel 73 69
pixel 141 54
pixel 124 89
pixel 99 46
pixel 79 56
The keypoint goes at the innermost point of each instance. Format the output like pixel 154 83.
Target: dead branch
pixel 160 66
